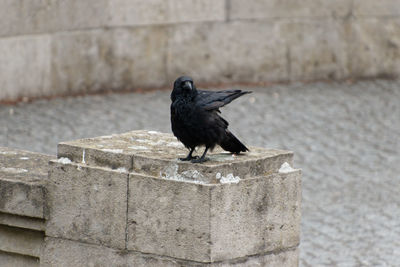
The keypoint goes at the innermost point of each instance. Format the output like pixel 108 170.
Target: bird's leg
pixel 202 158
pixel 189 156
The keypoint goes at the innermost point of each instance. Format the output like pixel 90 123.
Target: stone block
pixel 246 51
pixel 273 9
pixel 139 56
pixel 316 49
pixel 65 253
pixel 155 154
pixel 22 175
pixel 371 8
pixel 130 13
pixel 86 204
pixel 374 47
pixel 282 258
pixel 22 222
pixel 208 223
pixel 61 252
pixel 225 209
pixel 16 260
pixel 169 218
pixel 21 241
pixel 255 216
pixel 24 66
pixel 21 17
pixel 81 61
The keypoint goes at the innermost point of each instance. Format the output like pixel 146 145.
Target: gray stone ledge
pixel 21 241
pixel 62 252
pixel 8 259
pixel 22 177
pixel 22 221
pixel 155 154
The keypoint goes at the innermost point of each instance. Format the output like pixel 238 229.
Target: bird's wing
pixel 210 100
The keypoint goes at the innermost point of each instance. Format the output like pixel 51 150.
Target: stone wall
pixel 125 200
pixel 52 47
pixel 22 199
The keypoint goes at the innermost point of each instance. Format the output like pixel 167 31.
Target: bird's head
pixel 183 86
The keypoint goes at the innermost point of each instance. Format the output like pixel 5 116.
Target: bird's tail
pixel 232 144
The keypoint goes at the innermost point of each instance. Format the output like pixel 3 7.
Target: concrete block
pixel 272 9
pixel 139 56
pixel 16 260
pixel 130 13
pixel 66 253
pixel 371 8
pixel 81 61
pixel 374 47
pixel 24 66
pixel 22 175
pixel 86 204
pixel 315 49
pixel 21 17
pixel 228 52
pixel 21 241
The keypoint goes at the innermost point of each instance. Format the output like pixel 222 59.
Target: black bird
pixel 195 120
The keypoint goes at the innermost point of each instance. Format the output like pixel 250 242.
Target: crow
pixel 195 120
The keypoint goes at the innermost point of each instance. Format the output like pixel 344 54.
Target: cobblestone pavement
pixel 346 138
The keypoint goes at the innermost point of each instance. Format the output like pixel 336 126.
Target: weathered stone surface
pixel 169 218
pixel 22 175
pixel 316 49
pixel 24 66
pixel 21 17
pixel 22 221
pixel 228 208
pixel 255 216
pixel 210 223
pixel 81 61
pixel 21 241
pixel 155 154
pixel 374 47
pixel 86 204
pixel 139 56
pixel 60 252
pixel 273 9
pixel 282 258
pixel 66 253
pixel 128 12
pixel 228 52
pixel 373 8
pixel 15 260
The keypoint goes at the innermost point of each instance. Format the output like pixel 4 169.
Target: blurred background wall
pixel 52 47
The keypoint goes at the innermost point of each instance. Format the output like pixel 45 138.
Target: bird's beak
pixel 188 85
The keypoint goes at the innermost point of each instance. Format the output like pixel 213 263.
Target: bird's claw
pixel 189 158
pixel 198 160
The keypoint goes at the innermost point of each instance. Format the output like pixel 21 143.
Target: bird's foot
pixel 198 160
pixel 188 158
